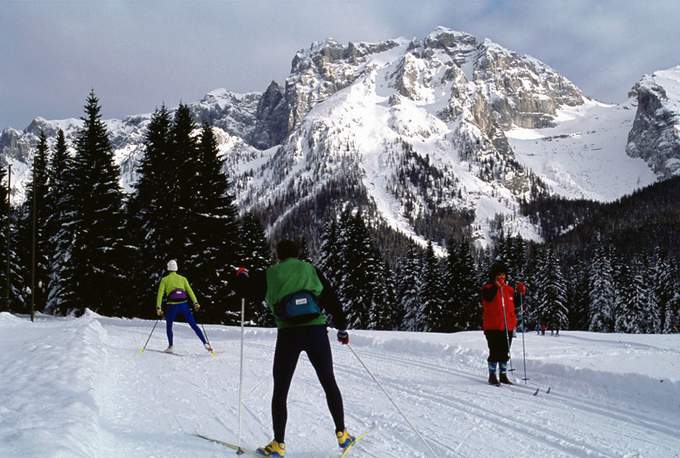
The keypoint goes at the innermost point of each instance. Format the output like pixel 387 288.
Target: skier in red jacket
pixel 499 320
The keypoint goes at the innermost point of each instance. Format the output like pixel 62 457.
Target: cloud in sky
pixel 139 54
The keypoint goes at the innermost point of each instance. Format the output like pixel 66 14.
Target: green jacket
pixel 170 282
pixel 290 276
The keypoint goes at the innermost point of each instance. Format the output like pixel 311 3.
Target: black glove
pixel 343 337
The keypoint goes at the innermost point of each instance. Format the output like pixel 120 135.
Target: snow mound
pixel 8 318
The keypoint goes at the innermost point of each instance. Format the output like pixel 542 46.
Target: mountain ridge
pixel 432 128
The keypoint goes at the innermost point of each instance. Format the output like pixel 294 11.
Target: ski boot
pixel 344 438
pixel 274 449
pixel 504 379
pixel 169 349
pixel 493 380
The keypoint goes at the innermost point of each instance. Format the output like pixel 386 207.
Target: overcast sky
pixel 140 54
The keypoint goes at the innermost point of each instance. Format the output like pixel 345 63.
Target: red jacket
pixel 493 307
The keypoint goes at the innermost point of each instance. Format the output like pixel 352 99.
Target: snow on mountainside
pixel 80 387
pixel 582 156
pixel 418 133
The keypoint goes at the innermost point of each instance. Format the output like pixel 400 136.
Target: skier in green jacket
pixel 296 292
pixel 174 289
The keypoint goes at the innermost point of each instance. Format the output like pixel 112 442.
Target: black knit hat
pixel 287 249
pixel 496 269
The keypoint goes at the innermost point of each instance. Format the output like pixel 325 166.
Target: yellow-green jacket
pixel 170 282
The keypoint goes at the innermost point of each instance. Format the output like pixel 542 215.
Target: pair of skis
pixel 249 452
pixel 533 389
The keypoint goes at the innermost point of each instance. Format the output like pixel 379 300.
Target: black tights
pixel 289 343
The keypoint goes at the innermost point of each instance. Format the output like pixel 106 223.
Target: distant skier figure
pixel 175 291
pixel 499 321
pixel 295 292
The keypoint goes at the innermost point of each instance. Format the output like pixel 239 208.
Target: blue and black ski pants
pixel 182 308
pixel 289 343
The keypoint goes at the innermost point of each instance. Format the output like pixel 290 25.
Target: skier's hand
pixel 159 311
pixel 521 288
pixel 197 306
pixel 343 337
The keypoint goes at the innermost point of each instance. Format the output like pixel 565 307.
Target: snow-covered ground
pixel 80 387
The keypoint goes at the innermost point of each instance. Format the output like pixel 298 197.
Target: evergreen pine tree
pixel 385 314
pixel 36 191
pixel 578 296
pixel 330 256
pixel 603 293
pixel 672 312
pixel 409 275
pixel 151 220
pixel 639 311
pixel 98 257
pixel 255 256
pixel 462 288
pixel 181 175
pixel 60 199
pixel 662 284
pixel 215 231
pixel 431 293
pixel 12 300
pixel 359 271
pixel 551 299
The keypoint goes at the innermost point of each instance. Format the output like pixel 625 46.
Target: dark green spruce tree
pixel 551 302
pixel 182 179
pixel 12 300
pixel 385 313
pixel 255 255
pixel 462 288
pixel 359 270
pixel 36 191
pixel 60 200
pixel 99 255
pixel 409 280
pixel 432 294
pixel 151 218
pixel 215 228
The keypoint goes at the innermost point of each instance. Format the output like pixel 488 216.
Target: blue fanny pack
pixel 297 307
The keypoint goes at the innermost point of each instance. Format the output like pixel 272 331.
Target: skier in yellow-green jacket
pixel 175 291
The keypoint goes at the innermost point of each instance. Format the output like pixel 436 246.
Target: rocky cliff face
pixel 655 135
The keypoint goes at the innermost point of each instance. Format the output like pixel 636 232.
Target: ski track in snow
pixel 81 387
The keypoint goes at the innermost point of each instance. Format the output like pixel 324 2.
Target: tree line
pixel 98 248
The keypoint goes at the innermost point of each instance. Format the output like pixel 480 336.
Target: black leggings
pixel 498 346
pixel 289 343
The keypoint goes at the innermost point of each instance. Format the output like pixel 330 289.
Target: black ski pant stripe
pixel 290 342
pixel 499 351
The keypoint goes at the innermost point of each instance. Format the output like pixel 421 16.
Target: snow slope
pixel 584 155
pixel 80 387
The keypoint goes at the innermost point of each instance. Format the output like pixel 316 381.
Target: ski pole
pixel 524 330
pixel 141 350
pixel 507 335
pixel 207 340
pixel 239 451
pixel 391 400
